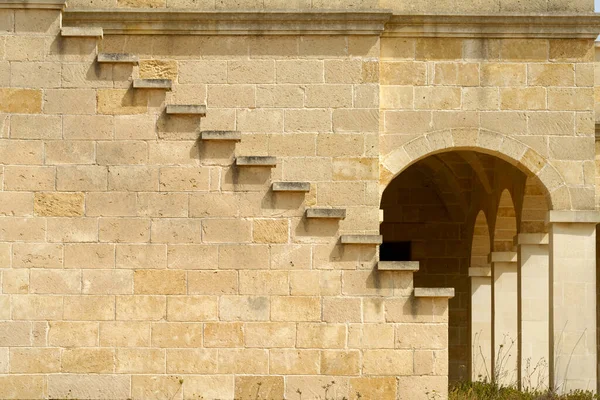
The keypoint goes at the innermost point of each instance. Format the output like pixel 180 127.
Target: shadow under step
pixel 362 239
pixel 186 109
pixel 152 84
pixel 440 293
pixel 303 187
pixel 81 32
pixel 118 58
pixel 256 161
pixel 408 266
pixel 326 213
pixel 231 136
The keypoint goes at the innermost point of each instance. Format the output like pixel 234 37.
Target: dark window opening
pixel 395 251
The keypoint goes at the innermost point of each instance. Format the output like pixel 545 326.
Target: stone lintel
pixel 545 26
pixel 152 84
pixel 186 109
pixel 502 256
pixel 531 238
pixel 264 22
pixel 411 266
pixel 446 293
pixel 256 161
pixel 326 213
pixel 232 136
pixel 362 239
pixel 118 58
pixel 576 217
pixel 34 4
pixel 291 186
pixel 94 32
pixel 481 272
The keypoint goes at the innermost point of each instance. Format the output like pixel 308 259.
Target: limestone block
pixel 423 386
pixel 269 334
pixel 133 178
pixel 500 74
pixel 81 75
pixel 192 72
pixel 25 48
pixel 129 230
pixel 257 120
pixel 121 153
pixel 570 50
pixel 16 204
pixel 122 101
pixel 341 309
pixel 173 153
pixel 88 127
pixel 76 101
pixel 140 361
pixel 192 308
pixel 270 231
pixel 113 204
pixel 124 334
pixel 264 282
pixel 70 152
pixel 533 98
pixel 34 360
pixel 184 178
pixel 321 336
pixel 26 307
pixel 162 204
pixel 243 257
pixel 376 388
pixel 55 282
pixel 253 71
pixel 15 333
pixel 244 308
pixel 36 127
pixel 89 386
pixel 578 99
pixel 37 255
pixel 437 98
pixel 15 281
pixel 22 229
pixel 387 362
pixel 438 49
pixel 141 308
pixel 89 308
pixel 300 71
pixel 73 334
pixel 176 334
pixel 323 47
pixel 229 96
pixel 371 336
pixel 89 255
pixel 308 121
pixel 294 362
pixel 217 387
pixel 263 387
pixel 80 360
pixel 397 97
pixel 328 96
pixel 22 101
pixel 59 204
pixel 28 386
pixel 226 231
pixel 223 334
pixel 340 362
pixel 107 282
pixel 148 386
pixel 212 282
pixel 158 69
pixel 159 282
pixel 81 178
pixel 293 308
pixel 270 96
pixel 35 74
pixel 243 361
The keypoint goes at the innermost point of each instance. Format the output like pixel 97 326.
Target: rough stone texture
pixel 137 261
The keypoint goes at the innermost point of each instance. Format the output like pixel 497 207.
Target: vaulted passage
pixel 456 214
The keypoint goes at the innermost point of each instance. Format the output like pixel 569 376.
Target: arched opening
pixel 441 211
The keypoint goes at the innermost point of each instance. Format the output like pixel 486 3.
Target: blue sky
pixel 597 5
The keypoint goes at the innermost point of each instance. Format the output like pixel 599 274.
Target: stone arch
pixel 505 228
pixel 484 141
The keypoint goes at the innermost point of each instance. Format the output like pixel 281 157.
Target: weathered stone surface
pixel 59 204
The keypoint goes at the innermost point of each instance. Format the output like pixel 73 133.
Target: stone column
pixel 533 300
pixel 573 352
pixel 481 323
pixel 505 317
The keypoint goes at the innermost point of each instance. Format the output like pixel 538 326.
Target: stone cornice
pixel 186 22
pixel 584 26
pixel 33 4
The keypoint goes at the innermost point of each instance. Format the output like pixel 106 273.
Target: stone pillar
pixel 533 300
pixel 481 323
pixel 505 317
pixel 573 352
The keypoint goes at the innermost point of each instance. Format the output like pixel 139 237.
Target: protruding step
pixel 256 161
pixel 118 58
pixel 152 84
pixel 446 293
pixel 186 109
pixel 291 186
pixel 411 266
pixel 362 239
pixel 81 32
pixel 232 136
pixel 326 213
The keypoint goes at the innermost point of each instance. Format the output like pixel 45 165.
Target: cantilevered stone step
pixel 326 213
pixel 291 186
pixel 186 109
pixel 232 136
pixel 362 239
pixel 152 84
pixel 411 266
pixel 81 32
pixel 118 58
pixel 446 293
pixel 256 161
